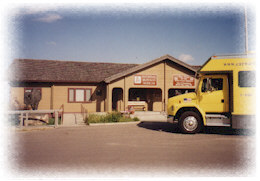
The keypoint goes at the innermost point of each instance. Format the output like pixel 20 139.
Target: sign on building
pixel 145 80
pixel 183 80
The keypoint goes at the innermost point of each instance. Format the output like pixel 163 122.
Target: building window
pixel 79 95
pixel 71 95
pixel 246 79
pixel 88 95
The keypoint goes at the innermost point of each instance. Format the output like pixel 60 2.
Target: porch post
pixel 164 87
pixel 21 120
pixel 124 96
pixel 107 98
pixel 56 119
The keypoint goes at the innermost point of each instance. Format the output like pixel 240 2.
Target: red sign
pixel 183 80
pixel 145 80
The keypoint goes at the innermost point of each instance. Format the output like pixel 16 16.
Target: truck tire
pixel 190 123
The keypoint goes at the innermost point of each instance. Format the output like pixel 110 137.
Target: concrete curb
pixel 72 126
pixel 36 128
pixel 117 123
pixel 78 126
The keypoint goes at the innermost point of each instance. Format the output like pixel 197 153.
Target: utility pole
pixel 246 33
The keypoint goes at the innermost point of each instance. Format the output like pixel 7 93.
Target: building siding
pixel 56 95
pixel 17 93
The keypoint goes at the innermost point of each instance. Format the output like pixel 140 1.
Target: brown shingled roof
pixel 31 70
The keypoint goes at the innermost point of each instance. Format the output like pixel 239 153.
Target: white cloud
pixel 186 58
pixel 49 18
pixel 33 11
pixel 53 43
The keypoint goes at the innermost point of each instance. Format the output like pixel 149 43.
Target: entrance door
pixel 214 94
pixel 152 98
pixel 117 99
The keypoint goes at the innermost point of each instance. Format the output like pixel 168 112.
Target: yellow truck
pixel 225 96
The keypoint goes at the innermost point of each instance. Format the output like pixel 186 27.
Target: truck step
pixel 217 120
pixel 215 116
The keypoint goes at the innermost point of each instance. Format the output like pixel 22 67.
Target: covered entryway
pixel 117 99
pixel 148 97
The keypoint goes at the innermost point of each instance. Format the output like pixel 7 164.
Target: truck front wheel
pixel 190 122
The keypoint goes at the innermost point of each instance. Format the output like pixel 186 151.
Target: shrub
pixel 93 118
pixel 113 117
pixel 52 121
pixel 124 119
pixel 109 118
pixel 136 119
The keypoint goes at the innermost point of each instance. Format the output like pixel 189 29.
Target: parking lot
pixel 148 149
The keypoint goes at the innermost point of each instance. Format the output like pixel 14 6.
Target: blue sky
pixel 131 34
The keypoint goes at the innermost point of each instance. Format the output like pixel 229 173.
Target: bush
pixel 93 118
pixel 52 121
pixel 136 119
pixel 113 117
pixel 109 118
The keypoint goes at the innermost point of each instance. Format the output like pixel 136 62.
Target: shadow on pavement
pixel 173 128
pixel 227 131
pixel 159 126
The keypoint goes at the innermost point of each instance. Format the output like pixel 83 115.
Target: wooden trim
pixel 164 86
pixel 55 81
pixel 134 87
pixel 74 95
pixel 124 96
pixel 108 99
pixel 72 112
pixel 52 97
pixel 150 63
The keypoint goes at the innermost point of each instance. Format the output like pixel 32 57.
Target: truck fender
pixel 192 108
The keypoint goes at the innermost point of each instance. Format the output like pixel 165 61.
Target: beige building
pixel 101 87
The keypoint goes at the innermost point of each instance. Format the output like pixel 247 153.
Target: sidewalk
pixel 150 116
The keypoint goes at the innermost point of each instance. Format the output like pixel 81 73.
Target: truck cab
pixel 224 96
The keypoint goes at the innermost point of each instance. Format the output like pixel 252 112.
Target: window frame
pixel 242 84
pixel 207 88
pixel 74 95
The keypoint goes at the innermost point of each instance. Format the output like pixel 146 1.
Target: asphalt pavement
pixel 144 149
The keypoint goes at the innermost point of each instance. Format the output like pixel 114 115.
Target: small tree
pixel 32 98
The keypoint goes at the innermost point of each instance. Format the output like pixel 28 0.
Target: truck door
pixel 214 96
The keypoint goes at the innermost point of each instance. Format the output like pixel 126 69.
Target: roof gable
pixel 150 63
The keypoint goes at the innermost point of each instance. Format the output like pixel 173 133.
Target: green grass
pixel 109 118
pixel 52 121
